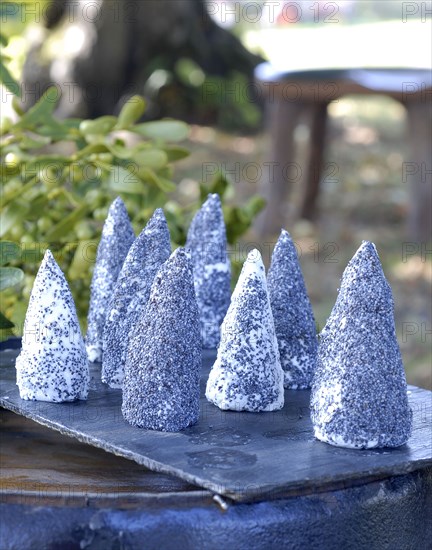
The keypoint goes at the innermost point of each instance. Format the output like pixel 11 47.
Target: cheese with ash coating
pixel 359 392
pixel 147 253
pixel 52 365
pixel 293 316
pixel 117 238
pixel 162 373
pixel 207 243
pixel 247 374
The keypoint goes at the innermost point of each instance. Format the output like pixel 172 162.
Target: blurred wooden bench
pixel 291 94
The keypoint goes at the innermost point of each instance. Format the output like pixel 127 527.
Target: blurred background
pixel 194 61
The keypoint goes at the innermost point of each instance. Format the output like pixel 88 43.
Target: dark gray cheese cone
pixel 117 238
pixel 162 372
pixel 292 313
pixel 207 243
pixel 146 255
pixel 359 392
pixel 247 375
pixel 52 365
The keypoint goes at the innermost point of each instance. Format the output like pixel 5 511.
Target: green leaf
pixel 17 106
pixel 66 224
pixel 84 254
pixel 43 161
pixel 166 130
pixel 14 213
pixel 54 132
pixel 61 130
pixel 18 315
pixel 4 322
pixel 10 276
pixel 8 80
pixel 32 253
pixel 119 151
pixel 151 158
pixel 131 111
pixel 93 148
pixel 40 112
pixel 71 123
pixel 99 126
pixel 165 185
pixel 204 191
pixel 254 206
pixel 5 124
pixel 148 175
pixel 175 152
pixel 28 142
pixel 39 206
pixel 9 252
pixel 219 184
pixel 123 180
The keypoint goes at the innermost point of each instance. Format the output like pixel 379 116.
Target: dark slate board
pixel 244 456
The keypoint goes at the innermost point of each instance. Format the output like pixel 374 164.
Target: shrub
pixel 60 176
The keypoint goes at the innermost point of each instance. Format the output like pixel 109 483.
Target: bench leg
pixel 417 171
pixel 281 168
pixel 318 113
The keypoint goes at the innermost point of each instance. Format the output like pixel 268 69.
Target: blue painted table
pixel 201 488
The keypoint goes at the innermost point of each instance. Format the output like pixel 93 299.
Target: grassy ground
pixel 366 200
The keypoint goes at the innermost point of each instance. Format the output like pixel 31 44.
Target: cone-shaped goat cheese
pixel 359 392
pixel 247 374
pixel 146 255
pixel 207 243
pixel 52 365
pixel 117 238
pixel 292 313
pixel 163 364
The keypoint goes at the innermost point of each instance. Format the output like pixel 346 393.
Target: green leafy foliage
pixel 9 251
pixel 59 177
pixel 9 277
pixel 5 76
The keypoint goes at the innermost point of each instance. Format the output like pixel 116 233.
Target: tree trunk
pixel 118 45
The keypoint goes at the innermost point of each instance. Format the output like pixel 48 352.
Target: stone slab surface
pixel 243 456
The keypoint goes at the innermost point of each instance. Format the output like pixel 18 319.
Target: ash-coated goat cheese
pixel 52 365
pixel 117 238
pixel 161 388
pixel 207 243
pixel 247 374
pixel 293 316
pixel 359 392
pixel 148 252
